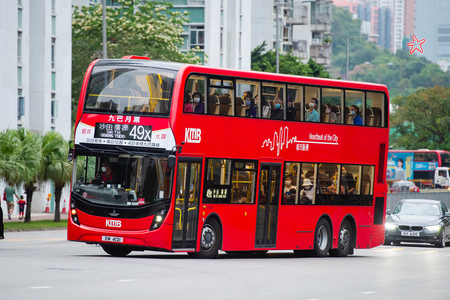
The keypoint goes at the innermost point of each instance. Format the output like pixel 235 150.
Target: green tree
pixel 289 64
pixel 56 168
pixel 20 156
pixel 422 119
pixel 150 29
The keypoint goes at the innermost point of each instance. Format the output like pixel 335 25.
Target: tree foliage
pixel 422 119
pixel 289 64
pixel 149 29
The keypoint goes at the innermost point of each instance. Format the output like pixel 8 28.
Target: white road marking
pixel 368 293
pixel 41 287
pixel 125 280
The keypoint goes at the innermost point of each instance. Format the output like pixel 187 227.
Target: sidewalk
pixel 34 217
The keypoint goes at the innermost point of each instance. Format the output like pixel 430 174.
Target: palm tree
pixel 56 168
pixel 20 161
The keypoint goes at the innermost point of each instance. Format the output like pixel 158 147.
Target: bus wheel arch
pixel 346 238
pixel 323 236
pixel 210 237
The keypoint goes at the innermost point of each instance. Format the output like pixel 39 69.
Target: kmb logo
pixel 193 135
pixel 113 223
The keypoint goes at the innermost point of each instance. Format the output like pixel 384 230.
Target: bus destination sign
pixel 125 132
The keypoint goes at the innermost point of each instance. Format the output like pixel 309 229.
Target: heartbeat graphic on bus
pixel 282 140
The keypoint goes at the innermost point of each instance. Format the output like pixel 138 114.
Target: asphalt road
pixel 43 265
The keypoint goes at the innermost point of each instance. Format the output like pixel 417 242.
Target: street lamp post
pixel 277 54
pixel 104 29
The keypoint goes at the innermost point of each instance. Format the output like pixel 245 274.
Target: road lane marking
pixel 125 280
pixel 41 287
pixel 368 293
pixel 31 240
pixel 388 250
pixel 426 252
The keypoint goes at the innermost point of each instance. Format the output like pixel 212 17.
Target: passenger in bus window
pixel 332 110
pixel 277 113
pixel 356 119
pixel 188 103
pixel 311 114
pixel 199 108
pixel 307 192
pixel 265 107
pixel 288 184
pixel 290 111
pixel 250 110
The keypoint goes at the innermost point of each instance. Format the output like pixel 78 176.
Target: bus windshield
pixel 122 180
pixel 130 90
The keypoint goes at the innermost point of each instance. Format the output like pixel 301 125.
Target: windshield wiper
pixel 89 148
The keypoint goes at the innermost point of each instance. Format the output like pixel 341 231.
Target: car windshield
pixel 122 180
pixel 417 208
pixel 130 90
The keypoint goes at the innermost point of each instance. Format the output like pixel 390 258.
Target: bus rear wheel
pixel 210 239
pixel 116 250
pixel 345 241
pixel 322 238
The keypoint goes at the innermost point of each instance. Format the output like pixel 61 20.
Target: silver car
pixel 418 221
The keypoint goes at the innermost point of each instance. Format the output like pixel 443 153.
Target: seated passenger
pixel 188 103
pixel 290 111
pixel 288 184
pixel 278 112
pixel 307 191
pixel 356 119
pixel 311 114
pixel 250 110
pixel 332 110
pixel 199 108
pixel 265 107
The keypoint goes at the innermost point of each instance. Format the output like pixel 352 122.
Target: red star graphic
pixel 416 45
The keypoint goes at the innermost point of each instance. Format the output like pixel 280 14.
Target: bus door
pixel 267 213
pixel 186 204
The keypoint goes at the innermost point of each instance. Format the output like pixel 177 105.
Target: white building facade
pixel 35 69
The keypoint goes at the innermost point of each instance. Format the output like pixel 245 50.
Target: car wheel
pixel 345 243
pixel 322 238
pixel 116 250
pixel 396 243
pixel 441 243
pixel 387 242
pixel 210 240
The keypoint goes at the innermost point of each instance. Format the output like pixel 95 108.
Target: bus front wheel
pixel 210 239
pixel 345 241
pixel 116 250
pixel 322 238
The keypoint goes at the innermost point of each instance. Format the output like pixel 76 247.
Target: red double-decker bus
pixel 188 158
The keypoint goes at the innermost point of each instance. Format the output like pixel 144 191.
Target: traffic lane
pixel 49 268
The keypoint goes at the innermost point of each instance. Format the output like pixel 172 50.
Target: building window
pixel 19 2
pixel 53 6
pixel 19 47
pixel 197 36
pixel 53 53
pixel 19 76
pixel 19 18
pixel 53 81
pixel 53 25
pixel 196 2
pixel 221 39
pixel 20 104
pixel 54 109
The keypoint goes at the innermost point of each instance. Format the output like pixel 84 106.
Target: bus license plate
pixel 410 233
pixel 112 239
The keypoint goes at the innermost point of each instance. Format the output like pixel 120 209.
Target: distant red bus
pixel 188 158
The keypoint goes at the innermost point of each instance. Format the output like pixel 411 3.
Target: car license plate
pixel 410 233
pixel 112 239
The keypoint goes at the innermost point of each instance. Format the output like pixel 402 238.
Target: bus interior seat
pixel 376 116
pixel 369 116
pixel 225 105
pixel 213 105
pixel 240 107
pixel 348 116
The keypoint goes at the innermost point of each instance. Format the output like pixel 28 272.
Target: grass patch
pixel 35 225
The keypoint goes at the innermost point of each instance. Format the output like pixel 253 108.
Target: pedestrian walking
pixel 10 192
pixel 21 204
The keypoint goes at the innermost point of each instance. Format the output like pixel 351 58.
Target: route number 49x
pixel 140 133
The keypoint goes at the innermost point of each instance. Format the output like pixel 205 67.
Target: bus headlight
pixel 73 213
pixel 433 228
pixel 159 218
pixel 390 226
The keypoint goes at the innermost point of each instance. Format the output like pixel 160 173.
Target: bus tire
pixel 345 243
pixel 116 250
pixel 322 238
pixel 210 239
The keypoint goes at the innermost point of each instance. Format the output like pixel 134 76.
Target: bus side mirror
pixel 171 161
pixel 388 212
pixel 70 155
